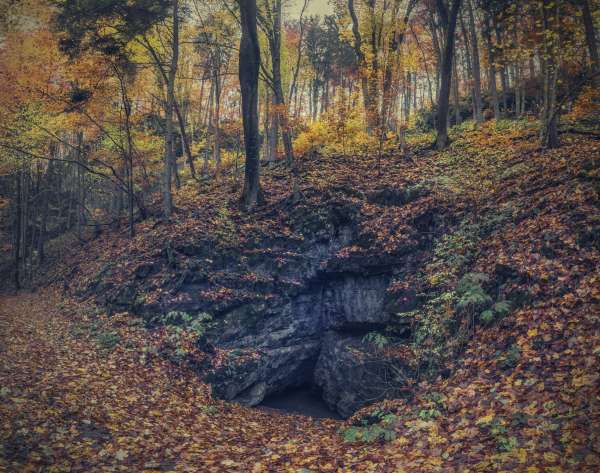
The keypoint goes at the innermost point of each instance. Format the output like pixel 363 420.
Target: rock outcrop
pixel 290 311
pixel 315 338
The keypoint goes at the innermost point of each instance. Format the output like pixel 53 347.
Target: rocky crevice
pixel 315 338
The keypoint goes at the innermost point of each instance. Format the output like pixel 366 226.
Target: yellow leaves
pixel 521 455
pixel 259 468
pixel 588 379
pixel 485 419
pixel 532 332
pixel 461 434
pixel 531 409
pixel 550 457
pixel 434 461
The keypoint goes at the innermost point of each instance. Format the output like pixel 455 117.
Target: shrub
pixel 497 311
pixel 377 426
pixel 471 294
pixel 376 339
pixel 428 414
pixel 108 340
pixel 509 358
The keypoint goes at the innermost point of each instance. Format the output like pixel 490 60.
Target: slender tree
pixel 590 38
pixel 170 164
pixel 249 64
pixel 448 18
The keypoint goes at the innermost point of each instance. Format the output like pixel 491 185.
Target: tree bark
pixel 449 20
pixel 281 111
pixel 487 32
pixel 590 38
pixel 503 74
pixel 249 63
pixel 455 92
pixel 476 67
pixel 217 118
pixel 393 53
pixel 169 148
pixel 366 83
pixel 17 228
pixel 549 119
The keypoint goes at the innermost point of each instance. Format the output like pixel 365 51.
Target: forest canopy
pixel 111 101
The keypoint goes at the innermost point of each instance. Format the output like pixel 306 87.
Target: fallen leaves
pixel 68 405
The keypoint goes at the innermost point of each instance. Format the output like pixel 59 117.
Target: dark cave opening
pixel 305 400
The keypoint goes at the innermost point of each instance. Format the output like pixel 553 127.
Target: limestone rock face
pixel 355 301
pixel 287 310
pixel 349 375
pixel 314 338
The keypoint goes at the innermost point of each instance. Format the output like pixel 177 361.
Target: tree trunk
pixel 446 72
pixel 45 191
pixel 590 38
pixel 249 62
pixel 18 227
pixel 280 109
pixel 487 32
pixel 549 119
pixel 184 138
pixel 169 148
pixel 217 119
pixel 273 131
pixel 393 55
pixel 476 67
pixel 455 93
pixel 503 75
pixel 367 83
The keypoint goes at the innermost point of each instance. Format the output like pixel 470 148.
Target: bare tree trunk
pixel 169 148
pixel 549 119
pixel 18 227
pixel 274 38
pixel 517 71
pixel 217 120
pixel 437 50
pixel 127 152
pixel 503 75
pixel 476 67
pixel 45 192
pixel 294 85
pixel 450 18
pixel 249 63
pixel 367 84
pixel 590 38
pixel 273 136
pixel 455 92
pixel 184 139
pixel 427 73
pixel 393 54
pixel 487 32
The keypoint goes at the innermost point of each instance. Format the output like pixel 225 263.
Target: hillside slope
pixel 490 254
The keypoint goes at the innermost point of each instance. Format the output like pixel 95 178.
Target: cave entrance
pixel 304 400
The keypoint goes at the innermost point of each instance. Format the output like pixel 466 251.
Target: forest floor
pixel 81 391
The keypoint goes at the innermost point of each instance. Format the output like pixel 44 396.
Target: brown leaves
pixel 522 398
